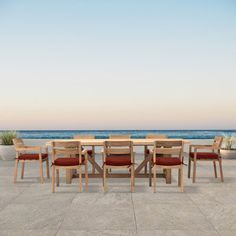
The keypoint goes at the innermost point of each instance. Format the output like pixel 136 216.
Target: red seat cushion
pixel 118 160
pixel 205 155
pixel 168 161
pixel 68 161
pixel 32 156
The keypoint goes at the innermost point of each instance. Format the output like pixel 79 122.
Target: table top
pixel 100 142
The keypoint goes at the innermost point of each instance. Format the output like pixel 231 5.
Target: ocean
pixel 66 134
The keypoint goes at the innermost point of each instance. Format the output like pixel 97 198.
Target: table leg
pixel 68 176
pixel 168 176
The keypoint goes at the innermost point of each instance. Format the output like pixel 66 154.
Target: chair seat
pixel 68 161
pixel 205 155
pixel 32 156
pixel 118 160
pixel 168 161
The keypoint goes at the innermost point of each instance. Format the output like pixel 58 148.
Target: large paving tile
pixel 42 194
pixel 96 233
pixel 161 197
pixel 103 199
pixel 227 233
pixel 214 194
pixel 170 217
pixel 177 233
pixel 112 233
pixel 99 217
pixel 31 217
pixel 71 233
pixel 222 217
pixel 28 232
pixel 8 194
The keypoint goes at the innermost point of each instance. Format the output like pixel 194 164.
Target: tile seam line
pixel 135 221
pixel 203 214
pixel 13 199
pixel 59 227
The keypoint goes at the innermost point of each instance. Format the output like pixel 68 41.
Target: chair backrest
pixel 156 136
pixel 81 136
pixel 119 136
pixel 217 142
pixel 119 148
pixel 66 149
pixel 18 142
pixel 173 148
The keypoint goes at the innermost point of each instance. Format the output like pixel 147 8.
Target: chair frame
pixel 118 148
pixel 78 136
pixel 167 148
pixel 215 148
pixel 71 148
pixel 21 148
pixel 152 136
pixel 119 136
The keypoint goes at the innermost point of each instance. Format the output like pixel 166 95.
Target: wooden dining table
pixel 136 142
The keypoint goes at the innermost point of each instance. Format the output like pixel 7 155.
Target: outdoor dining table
pixel 136 142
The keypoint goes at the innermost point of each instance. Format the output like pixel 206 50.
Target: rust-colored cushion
pixel 32 156
pixel 168 161
pixel 205 155
pixel 68 161
pixel 118 160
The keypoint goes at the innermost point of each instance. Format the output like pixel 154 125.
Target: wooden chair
pixel 210 153
pixel 91 152
pixel 118 155
pixel 30 154
pixel 167 155
pixel 69 156
pixel 146 149
pixel 119 136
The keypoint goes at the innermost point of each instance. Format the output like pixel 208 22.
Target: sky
pixel 127 64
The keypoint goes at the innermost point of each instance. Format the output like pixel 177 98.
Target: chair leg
pixel 15 171
pixel 215 171
pixel 189 167
pixel 57 178
pixel 194 170
pixel 182 179
pixel 22 169
pixel 221 171
pixel 53 179
pixel 132 179
pixel 93 157
pixel 80 179
pixel 154 178
pixel 86 175
pixel 150 173
pixel 179 177
pixel 47 167
pixel 41 171
pixel 104 180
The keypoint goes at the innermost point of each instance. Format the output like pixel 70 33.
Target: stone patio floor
pixel 207 207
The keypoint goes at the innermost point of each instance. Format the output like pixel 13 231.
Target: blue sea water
pixel 64 134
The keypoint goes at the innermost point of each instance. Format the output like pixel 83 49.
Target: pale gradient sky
pixel 121 64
